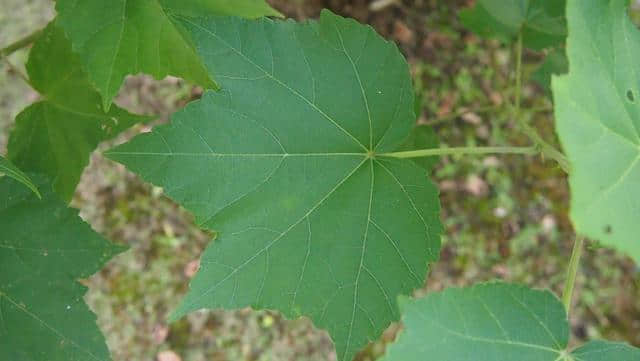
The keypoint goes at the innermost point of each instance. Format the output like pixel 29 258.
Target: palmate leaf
pixel 7 168
pixel 494 322
pixel 542 22
pixel 44 248
pixel 598 122
pixel 56 135
pixel 118 37
pixel 287 164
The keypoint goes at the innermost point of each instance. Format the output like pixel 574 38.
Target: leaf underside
pixel 542 22
pixel 44 248
pixel 281 164
pixel 494 322
pixel 598 122
pixel 56 135
pixel 119 37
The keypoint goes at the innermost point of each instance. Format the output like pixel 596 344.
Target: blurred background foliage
pixel 505 216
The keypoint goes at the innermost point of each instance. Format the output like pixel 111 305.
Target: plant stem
pixel 571 272
pixel 518 95
pixel 545 148
pixel 462 150
pixel 21 43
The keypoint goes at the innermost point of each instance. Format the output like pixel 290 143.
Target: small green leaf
pixel 118 37
pixel 555 63
pixel 44 248
pixel 287 164
pixel 598 122
pixel 422 136
pixel 494 322
pixel 542 22
pixel 56 135
pixel 7 168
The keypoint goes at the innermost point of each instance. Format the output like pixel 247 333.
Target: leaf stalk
pixel 461 150
pixel 572 271
pixel 21 43
pixel 544 147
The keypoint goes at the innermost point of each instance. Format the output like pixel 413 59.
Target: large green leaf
pixel 287 165
pixel 57 135
pixel 44 248
pixel 7 168
pixel 542 22
pixel 598 122
pixel 118 37
pixel 494 322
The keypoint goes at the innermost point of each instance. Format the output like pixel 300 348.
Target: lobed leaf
pixel 44 248
pixel 56 135
pixel 288 165
pixel 598 122
pixel 7 168
pixel 542 22
pixel 494 322
pixel 119 37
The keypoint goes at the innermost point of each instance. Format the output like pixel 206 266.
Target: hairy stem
pixel 21 43
pixel 462 150
pixel 544 147
pixel 572 271
pixel 518 95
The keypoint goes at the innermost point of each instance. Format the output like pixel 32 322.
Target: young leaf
pixel 598 122
pixel 118 37
pixel 288 166
pixel 7 168
pixel 494 322
pixel 542 22
pixel 44 248
pixel 56 136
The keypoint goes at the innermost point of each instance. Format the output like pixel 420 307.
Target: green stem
pixel 462 150
pixel 21 43
pixel 518 96
pixel 544 147
pixel 572 271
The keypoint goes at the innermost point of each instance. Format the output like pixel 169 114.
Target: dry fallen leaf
pixel 476 185
pixel 160 333
pixel 168 355
pixel 402 32
pixel 191 268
